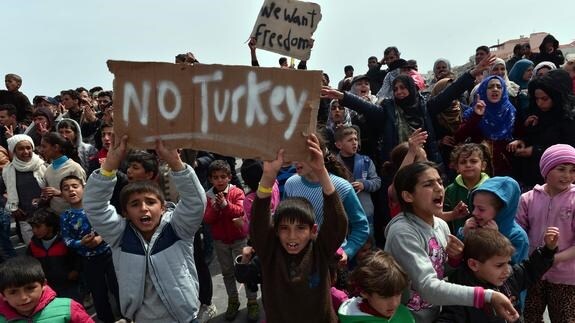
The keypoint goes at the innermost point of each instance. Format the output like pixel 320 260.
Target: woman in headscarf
pixel 552 122
pixel 23 180
pixel 441 70
pixel 520 74
pixel 542 69
pixel 492 121
pixel 338 116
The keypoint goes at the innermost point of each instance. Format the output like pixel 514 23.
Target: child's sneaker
pixel 253 311
pixel 233 309
pixel 206 313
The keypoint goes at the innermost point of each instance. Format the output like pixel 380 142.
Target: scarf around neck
pixel 35 165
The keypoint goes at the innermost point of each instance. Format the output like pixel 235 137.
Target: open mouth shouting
pixel 146 220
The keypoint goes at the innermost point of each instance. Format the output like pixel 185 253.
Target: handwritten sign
pixel 237 111
pixel 286 26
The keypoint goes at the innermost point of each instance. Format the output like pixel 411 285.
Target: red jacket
pixel 221 220
pixel 77 312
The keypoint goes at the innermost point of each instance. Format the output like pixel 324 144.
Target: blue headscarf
pixel 499 118
pixel 516 73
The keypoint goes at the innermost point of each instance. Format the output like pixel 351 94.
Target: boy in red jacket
pixel 225 215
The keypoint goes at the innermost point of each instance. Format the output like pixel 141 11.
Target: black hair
pixel 66 147
pixel 517 48
pixel 69 177
pixel 82 89
pixel 406 179
pixel 95 89
pixel 282 60
pixel 390 49
pixel 138 188
pixel 482 48
pixel 294 210
pixel 219 165
pixel 9 108
pixel 252 171
pixel 72 93
pixel 46 216
pixel 348 68
pixel 20 271
pixel 372 57
pixel 148 161
pixel 109 94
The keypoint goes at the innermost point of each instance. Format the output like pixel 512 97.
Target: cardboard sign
pixel 286 26
pixel 236 111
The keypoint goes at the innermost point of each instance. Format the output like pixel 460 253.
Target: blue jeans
pixel 7 250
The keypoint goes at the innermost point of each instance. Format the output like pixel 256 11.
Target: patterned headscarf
pixel 499 118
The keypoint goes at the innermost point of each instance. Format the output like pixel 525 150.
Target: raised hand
pixel 479 107
pixel 460 211
pixel 270 171
pixel 417 139
pixel 454 247
pixel 483 65
pixel 551 238
pixel 170 156
pixel 116 153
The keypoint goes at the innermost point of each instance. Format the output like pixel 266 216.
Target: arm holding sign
pixel 252 46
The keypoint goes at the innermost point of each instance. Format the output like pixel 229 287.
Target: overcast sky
pixel 56 45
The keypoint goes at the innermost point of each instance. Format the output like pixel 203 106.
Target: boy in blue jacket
pixel 152 244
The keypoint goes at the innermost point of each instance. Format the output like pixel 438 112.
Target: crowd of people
pixel 441 200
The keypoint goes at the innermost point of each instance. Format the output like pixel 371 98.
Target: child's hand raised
pixel 460 211
pixel 454 247
pixel 315 160
pixel 170 156
pixel 551 238
pixel 116 153
pixel 417 139
pixel 270 171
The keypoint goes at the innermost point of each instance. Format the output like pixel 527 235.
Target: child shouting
pixel 294 257
pixel 152 245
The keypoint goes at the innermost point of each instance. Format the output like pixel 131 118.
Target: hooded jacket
pixel 168 259
pixel 50 309
pixel 537 211
pixel 556 57
pixel 88 154
pixel 508 191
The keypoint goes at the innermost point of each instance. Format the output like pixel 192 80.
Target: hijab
pixel 409 116
pixel 35 165
pixel 512 87
pixel 516 73
pixel 499 118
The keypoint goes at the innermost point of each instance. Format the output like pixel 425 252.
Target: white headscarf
pixel 35 165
